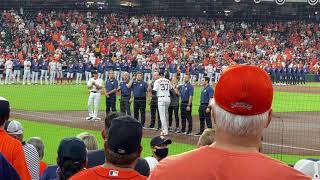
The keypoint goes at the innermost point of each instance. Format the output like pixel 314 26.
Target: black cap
pixel 4 107
pixel 72 149
pixel 159 140
pixel 94 72
pixel 124 135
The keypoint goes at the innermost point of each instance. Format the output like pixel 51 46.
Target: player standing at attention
pixel 163 86
pixel 44 70
pixel 186 94
pixel 94 85
pixel 16 70
pixel 70 72
pixel 80 71
pixel 59 72
pixel 111 91
pixel 204 108
pixel 154 103
pixel 35 70
pixel 8 66
pixel 52 71
pixel 26 72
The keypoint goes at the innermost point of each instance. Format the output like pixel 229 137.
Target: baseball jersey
pixel 27 65
pixel 59 66
pixel 8 64
pixel 102 173
pixel 97 82
pixel 162 86
pixel 53 66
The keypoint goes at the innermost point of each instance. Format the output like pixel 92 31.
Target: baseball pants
pixel 106 75
pixel 147 77
pixel 210 78
pixel 88 75
pixel 182 77
pixel 93 104
pixel 26 76
pixel 117 75
pixel 163 106
pixel 125 105
pixel 172 74
pixel 174 109
pixel 35 75
pixel 52 77
pixel 186 116
pixel 200 78
pixel 44 74
pixel 8 76
pixel 204 117
pixel 70 75
pixel 216 77
pixel 59 75
pixel 100 75
pixel 140 108
pixel 79 78
pixel 154 113
pixel 193 78
pixel 16 75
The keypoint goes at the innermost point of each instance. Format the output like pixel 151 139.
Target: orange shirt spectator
pixel 102 173
pixel 12 150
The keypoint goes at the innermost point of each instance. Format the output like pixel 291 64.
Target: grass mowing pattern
pixel 73 97
pixel 52 135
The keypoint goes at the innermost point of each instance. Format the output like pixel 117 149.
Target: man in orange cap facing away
pixel 242 109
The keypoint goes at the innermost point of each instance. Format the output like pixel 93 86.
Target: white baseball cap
pixel 309 167
pixel 13 127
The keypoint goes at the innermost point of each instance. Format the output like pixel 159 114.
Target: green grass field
pixel 72 97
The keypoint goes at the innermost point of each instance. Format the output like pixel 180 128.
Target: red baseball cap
pixel 244 90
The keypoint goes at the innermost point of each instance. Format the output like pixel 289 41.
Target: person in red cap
pixel 241 111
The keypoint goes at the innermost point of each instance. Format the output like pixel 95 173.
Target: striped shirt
pixel 33 160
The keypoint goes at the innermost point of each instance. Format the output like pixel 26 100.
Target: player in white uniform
pixel 59 72
pixel 26 72
pixel 163 86
pixel 53 71
pixel 94 85
pixel 8 66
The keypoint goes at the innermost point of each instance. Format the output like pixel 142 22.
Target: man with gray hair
pixel 38 144
pixel 125 89
pixel 242 109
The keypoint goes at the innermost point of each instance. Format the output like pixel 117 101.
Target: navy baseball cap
pixel 124 135
pixel 4 107
pixel 72 149
pixel 159 140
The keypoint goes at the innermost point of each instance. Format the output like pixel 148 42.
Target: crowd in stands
pixel 231 149
pixel 70 37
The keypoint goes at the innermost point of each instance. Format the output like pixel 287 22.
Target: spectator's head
pixel 206 138
pixel 159 147
pixel 205 81
pixel 38 144
pixel 14 129
pixel 72 157
pixel 156 75
pixel 111 74
pixel 187 78
pixel 107 123
pixel 123 145
pixel 125 76
pixel 242 107
pixel 4 111
pixel 95 74
pixel 89 140
pixel 139 76
pixel 308 167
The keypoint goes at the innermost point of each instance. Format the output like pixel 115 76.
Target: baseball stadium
pixel 65 66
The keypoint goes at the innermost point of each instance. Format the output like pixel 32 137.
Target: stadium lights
pixel 281 2
pixel 100 3
pixel 128 4
pixel 227 11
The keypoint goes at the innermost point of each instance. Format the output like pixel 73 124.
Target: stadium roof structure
pixel 228 9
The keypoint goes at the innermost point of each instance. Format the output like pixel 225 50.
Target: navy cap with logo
pixel 124 135
pixel 160 140
pixel 72 149
pixel 4 107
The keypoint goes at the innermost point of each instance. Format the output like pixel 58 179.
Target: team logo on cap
pixel 121 151
pixel 241 105
pixel 113 173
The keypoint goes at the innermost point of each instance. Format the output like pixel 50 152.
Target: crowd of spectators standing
pixel 80 41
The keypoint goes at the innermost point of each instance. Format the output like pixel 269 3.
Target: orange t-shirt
pixel 208 163
pixel 43 166
pixel 13 152
pixel 102 173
